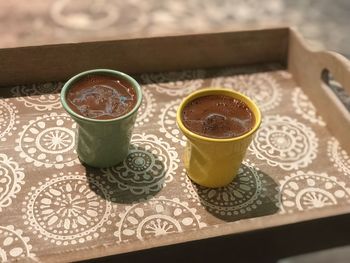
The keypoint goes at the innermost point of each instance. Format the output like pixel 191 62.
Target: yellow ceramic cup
pixel 214 162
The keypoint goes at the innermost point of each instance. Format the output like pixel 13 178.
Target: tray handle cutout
pixel 315 71
pixel 337 88
pixel 333 72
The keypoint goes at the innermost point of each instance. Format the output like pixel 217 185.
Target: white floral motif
pixel 261 87
pixel 241 196
pixel 146 109
pixel 303 191
pixel 168 123
pixel 42 97
pixel 150 164
pixel 11 179
pixel 13 245
pixel 68 209
pixel 305 108
pixel 173 83
pixel 338 156
pixel 285 74
pixel 285 142
pixel 48 142
pixel 156 217
pixel 8 119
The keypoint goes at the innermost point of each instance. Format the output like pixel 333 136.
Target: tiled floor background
pixel 22 22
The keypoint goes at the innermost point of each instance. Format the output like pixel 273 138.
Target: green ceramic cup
pixel 103 143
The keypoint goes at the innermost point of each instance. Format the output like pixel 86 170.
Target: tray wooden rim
pixel 292 51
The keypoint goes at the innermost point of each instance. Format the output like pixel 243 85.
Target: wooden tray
pixel 295 180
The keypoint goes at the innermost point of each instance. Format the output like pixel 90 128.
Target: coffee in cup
pixel 101 97
pixel 218 116
pixel 104 103
pixel 219 125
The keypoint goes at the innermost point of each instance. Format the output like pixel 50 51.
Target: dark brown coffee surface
pixel 101 97
pixel 218 116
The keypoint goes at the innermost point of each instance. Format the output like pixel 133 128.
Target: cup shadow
pixel 252 193
pixel 139 177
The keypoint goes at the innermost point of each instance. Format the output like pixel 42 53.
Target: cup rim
pixel 110 72
pixel 218 91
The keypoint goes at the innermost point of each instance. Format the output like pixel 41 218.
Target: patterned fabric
pixel 50 203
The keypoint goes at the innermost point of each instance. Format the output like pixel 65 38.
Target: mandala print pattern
pixel 285 74
pixel 241 196
pixel 146 109
pixel 42 97
pixel 13 245
pixel 338 156
pixel 285 142
pixel 157 217
pixel 304 191
pixel 305 108
pixel 8 119
pixel 11 179
pixel 150 164
pixel 177 83
pixel 48 142
pixel 68 209
pixel 168 123
pixel 262 88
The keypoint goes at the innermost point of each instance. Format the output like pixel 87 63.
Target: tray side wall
pixel 307 67
pixel 59 62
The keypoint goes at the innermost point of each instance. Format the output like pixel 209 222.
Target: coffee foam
pixel 218 116
pixel 101 97
pixel 113 104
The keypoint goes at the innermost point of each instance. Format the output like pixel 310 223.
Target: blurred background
pixel 323 22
